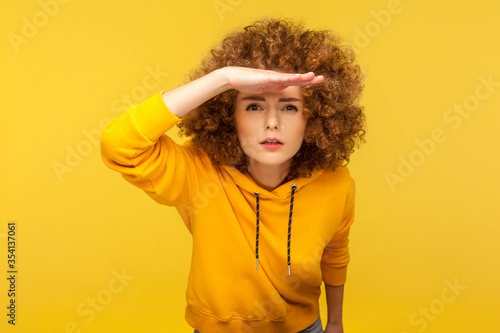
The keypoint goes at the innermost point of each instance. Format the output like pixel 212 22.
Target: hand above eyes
pixel 187 97
pixel 251 80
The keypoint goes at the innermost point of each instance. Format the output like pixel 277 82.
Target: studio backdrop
pixel 81 250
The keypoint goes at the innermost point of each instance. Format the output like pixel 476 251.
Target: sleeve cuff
pixel 334 276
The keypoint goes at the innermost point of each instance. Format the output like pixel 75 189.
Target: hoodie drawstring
pixel 294 187
pixel 257 231
pixel 257 198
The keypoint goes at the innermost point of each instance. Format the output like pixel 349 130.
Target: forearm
pixel 189 96
pixel 334 300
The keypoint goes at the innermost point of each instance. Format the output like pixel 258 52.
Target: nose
pixel 272 120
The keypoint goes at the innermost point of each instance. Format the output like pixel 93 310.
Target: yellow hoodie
pixel 259 257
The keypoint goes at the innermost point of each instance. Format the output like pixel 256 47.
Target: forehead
pixel 289 92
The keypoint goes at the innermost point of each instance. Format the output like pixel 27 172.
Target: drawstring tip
pixel 288 270
pixel 256 263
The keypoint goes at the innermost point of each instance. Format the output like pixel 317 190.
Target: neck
pixel 268 177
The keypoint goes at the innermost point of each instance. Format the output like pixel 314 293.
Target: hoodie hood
pixel 281 192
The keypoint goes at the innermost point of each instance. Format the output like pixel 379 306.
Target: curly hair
pixel 335 120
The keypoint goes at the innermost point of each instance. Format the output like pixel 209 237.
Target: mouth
pixel 271 143
pixel 274 141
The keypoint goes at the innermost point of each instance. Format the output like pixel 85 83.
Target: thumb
pixel 275 88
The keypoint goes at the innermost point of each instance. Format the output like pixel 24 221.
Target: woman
pixel 262 184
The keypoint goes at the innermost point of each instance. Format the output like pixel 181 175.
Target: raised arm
pixel 187 97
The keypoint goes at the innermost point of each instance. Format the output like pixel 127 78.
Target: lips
pixel 271 141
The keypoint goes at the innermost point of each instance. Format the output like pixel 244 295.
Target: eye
pixel 253 107
pixel 290 107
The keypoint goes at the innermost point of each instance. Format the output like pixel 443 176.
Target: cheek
pixel 242 130
pixel 299 129
pixel 245 128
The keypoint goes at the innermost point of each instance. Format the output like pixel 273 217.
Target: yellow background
pixel 414 236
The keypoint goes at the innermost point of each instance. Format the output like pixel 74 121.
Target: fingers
pixel 310 80
pixel 282 81
pixel 306 79
pixel 252 80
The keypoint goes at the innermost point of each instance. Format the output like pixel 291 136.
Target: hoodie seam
pixel 273 318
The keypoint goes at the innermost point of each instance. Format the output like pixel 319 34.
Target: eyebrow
pixel 260 98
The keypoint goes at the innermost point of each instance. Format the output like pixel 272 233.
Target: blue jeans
pixel 316 327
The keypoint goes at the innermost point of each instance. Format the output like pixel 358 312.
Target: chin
pixel 271 162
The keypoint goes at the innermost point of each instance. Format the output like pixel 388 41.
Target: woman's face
pixel 270 126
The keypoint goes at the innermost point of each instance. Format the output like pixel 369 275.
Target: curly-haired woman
pixel 262 185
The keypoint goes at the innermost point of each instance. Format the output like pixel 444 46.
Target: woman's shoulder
pixel 340 180
pixel 341 173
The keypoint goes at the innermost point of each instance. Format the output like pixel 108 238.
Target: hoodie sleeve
pixel 336 254
pixel 135 144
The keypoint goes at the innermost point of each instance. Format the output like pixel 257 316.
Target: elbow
pixel 108 144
